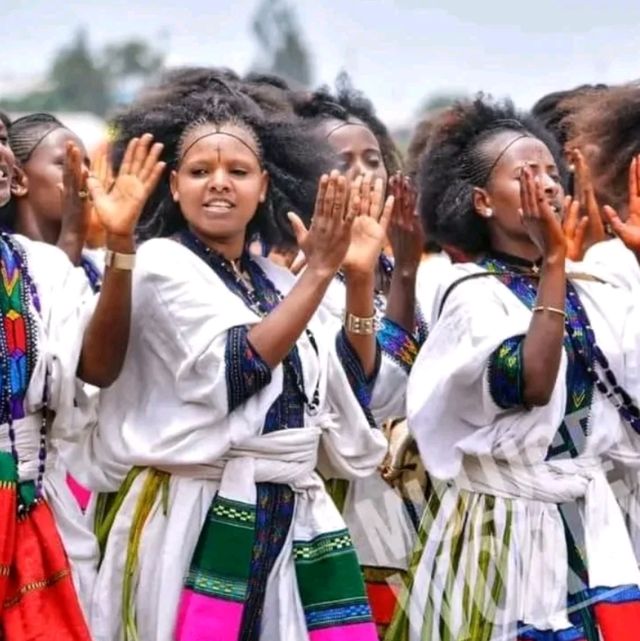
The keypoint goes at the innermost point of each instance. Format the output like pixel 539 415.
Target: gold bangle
pixel 363 326
pixel 553 310
pixel 116 260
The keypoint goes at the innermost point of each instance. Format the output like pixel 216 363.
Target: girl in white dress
pixel 232 395
pixel 528 378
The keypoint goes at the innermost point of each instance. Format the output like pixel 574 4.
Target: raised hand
pixel 629 230
pixel 574 228
pixel 405 230
pixel 101 166
pixel 326 241
pixel 119 209
pixel 371 213
pixel 76 209
pixel 539 219
pixel 590 208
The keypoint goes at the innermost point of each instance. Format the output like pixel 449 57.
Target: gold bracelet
pixel 116 260
pixel 363 326
pixel 553 310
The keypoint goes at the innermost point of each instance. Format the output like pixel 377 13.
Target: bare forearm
pixel 106 338
pixel 542 347
pixel 401 301
pixel 360 303
pixel 274 337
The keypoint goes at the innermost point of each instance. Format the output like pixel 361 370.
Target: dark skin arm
pixel 542 347
pixel 107 336
pixel 368 237
pixel 407 242
pixel 325 244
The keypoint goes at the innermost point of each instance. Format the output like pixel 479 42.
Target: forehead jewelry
pixel 219 132
pixel 344 124
pixel 502 153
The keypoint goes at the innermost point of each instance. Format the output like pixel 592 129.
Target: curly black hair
pixel 348 103
pixel 292 154
pixel 176 84
pixel 26 133
pixel 274 95
pixel 607 126
pixel 552 110
pixel 459 161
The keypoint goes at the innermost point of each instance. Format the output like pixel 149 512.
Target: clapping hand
pixel 119 208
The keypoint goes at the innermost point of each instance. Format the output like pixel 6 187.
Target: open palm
pixel 119 208
pixel 371 220
pixel 628 231
pixel 367 239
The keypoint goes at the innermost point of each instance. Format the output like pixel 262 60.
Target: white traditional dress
pixel 223 524
pixel 382 522
pixel 46 306
pixel 613 259
pixel 523 538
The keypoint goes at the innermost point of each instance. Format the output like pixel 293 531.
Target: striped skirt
pixel 472 577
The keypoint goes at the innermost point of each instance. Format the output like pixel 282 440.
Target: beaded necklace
pixel 18 347
pixel 261 297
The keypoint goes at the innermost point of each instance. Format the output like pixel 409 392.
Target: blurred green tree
pixel 79 80
pixel 283 50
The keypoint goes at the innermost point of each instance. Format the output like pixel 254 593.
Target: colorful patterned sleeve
pixel 246 372
pixel 506 371
pixel 401 346
pixel 361 385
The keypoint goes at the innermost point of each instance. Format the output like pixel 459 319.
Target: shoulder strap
pixel 459 282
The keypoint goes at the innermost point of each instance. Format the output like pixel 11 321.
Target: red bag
pixel 40 603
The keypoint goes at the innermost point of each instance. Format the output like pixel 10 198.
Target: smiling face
pixel 7 163
pixel 44 173
pixel 357 149
pixel 502 192
pixel 219 183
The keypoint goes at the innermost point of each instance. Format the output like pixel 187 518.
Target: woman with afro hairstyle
pixel 383 519
pixel 234 392
pixel 528 378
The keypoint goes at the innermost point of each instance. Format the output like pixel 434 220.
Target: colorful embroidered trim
pixel 19 330
pixel 506 370
pixel 342 600
pixel 398 344
pixel 245 371
pixel 216 586
pixel 358 381
pixel 527 633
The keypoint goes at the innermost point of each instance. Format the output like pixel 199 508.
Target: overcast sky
pixel 398 51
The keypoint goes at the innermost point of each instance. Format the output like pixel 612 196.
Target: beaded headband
pixel 219 132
